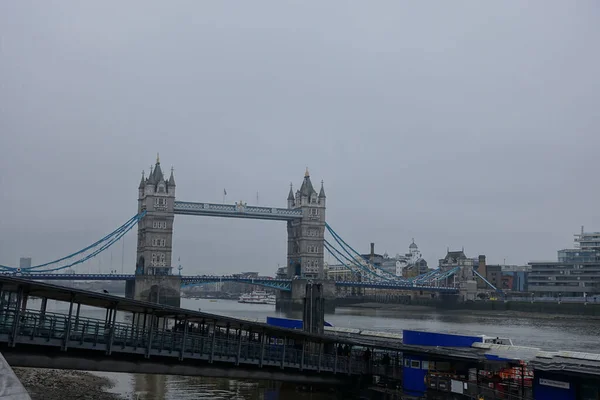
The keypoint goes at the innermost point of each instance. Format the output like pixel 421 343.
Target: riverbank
pixel 534 314
pixel 54 384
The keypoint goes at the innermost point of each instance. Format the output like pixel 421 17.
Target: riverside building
pixel 575 274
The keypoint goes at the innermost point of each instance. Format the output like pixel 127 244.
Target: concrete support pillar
pixel 77 316
pixel 313 317
pixel 150 334
pixel 17 320
pixel 161 289
pixel 320 347
pixel 212 344
pixel 302 357
pixel 43 308
pixel 239 350
pixel 263 341
pixel 111 329
pixel 283 352
pixel 183 339
pixel 335 360
pixel 294 299
pixel 68 332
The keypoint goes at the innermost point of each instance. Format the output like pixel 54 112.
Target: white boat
pixel 257 297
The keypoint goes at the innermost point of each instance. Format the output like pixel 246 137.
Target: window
pixel 160 202
pixel 312 232
pixel 159 224
pixel 314 212
pixel 158 260
pixel 415 364
pixel 159 242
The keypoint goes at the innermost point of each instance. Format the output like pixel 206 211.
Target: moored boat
pixel 257 297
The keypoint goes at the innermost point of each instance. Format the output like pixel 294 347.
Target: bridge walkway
pixel 162 339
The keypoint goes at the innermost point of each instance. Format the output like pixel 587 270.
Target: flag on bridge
pixel 224 192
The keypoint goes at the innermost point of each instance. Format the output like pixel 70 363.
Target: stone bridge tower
pixel 154 279
pixel 306 235
pixel 156 195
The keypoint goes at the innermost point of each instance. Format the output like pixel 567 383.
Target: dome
pixel 413 245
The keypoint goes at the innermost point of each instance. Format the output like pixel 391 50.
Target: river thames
pixel 548 332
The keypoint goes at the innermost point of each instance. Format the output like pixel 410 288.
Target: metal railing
pixel 209 343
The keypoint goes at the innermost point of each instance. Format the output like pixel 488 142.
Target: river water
pixel 549 332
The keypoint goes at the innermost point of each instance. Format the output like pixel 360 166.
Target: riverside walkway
pixel 142 337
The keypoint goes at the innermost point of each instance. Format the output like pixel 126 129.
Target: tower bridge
pixel 305 218
pixel 304 215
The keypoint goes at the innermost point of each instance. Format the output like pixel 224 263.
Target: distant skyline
pixel 470 124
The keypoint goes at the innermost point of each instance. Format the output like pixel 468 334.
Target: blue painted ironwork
pixel 444 275
pixel 486 281
pixel 279 284
pixel 373 269
pixel 238 210
pixel 99 247
pixel 426 276
pixel 355 267
pixel 398 286
pixel 284 285
pixel 75 277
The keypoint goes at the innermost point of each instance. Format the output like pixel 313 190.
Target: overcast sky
pixel 458 123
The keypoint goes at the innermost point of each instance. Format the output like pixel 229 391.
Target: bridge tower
pixel 306 235
pixel 306 242
pixel 154 278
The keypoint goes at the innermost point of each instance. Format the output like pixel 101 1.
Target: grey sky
pixel 457 123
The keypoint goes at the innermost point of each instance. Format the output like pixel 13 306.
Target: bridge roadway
pixel 237 210
pixel 279 284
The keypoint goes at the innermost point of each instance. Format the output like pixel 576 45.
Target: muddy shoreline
pixel 53 384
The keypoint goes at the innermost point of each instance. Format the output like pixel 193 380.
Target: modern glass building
pixel 575 274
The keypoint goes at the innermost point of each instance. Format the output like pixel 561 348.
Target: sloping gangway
pixel 142 337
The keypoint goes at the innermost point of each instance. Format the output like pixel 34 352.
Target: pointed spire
pixel 291 194
pixel 151 175
pixel 172 178
pixel 307 188
pixel 142 182
pixel 322 191
pixel 157 175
